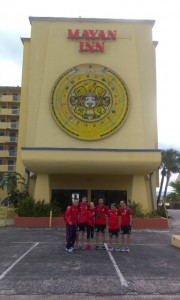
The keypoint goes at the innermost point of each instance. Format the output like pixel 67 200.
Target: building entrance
pixel 63 198
pixel 109 196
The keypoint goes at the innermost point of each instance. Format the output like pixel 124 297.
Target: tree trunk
pixel 161 186
pixel 167 183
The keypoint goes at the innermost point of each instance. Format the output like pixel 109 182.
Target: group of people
pixel 83 218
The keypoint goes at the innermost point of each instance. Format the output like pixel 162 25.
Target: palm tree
pixel 175 194
pixel 170 164
pixel 163 174
pixel 11 181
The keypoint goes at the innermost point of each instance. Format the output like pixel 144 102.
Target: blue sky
pixel 14 24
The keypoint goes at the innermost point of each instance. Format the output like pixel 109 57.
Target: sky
pixel 14 23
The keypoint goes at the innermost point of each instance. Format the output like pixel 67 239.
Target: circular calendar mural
pixel 89 102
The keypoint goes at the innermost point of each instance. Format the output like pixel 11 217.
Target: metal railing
pixel 14 125
pixel 15 111
pixel 13 139
pixel 11 168
pixel 12 153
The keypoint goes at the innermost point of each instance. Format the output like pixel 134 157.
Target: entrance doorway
pixel 63 198
pixel 109 196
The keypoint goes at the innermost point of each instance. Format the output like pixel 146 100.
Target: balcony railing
pixel 14 125
pixel 4 153
pixel 16 98
pixel 15 111
pixel 10 98
pixel 13 139
pixel 4 139
pixel 7 168
pixel 9 125
pixel 9 111
pixel 8 139
pixel 12 153
pixel 11 168
pixel 8 153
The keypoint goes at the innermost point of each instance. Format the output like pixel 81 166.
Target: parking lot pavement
pixel 34 262
pixel 174 215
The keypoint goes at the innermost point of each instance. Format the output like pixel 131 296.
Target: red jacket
pixel 113 219
pixel 101 213
pixel 83 209
pixel 71 215
pixel 125 214
pixel 91 217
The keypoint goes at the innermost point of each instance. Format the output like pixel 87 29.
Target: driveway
pixel 174 215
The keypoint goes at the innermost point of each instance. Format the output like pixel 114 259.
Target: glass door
pixel 109 196
pixel 63 198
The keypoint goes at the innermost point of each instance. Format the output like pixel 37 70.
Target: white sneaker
pixel 122 250
pixel 70 249
pixel 110 249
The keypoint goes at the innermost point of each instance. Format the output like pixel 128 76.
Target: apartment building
pixel 9 125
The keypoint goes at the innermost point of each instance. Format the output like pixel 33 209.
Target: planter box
pixel 38 222
pixel 138 223
pixel 150 223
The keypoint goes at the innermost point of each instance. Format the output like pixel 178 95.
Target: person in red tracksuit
pixel 82 222
pixel 90 225
pixel 71 219
pixel 114 225
pixel 126 222
pixel 101 214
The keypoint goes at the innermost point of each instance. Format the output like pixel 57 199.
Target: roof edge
pixel 64 19
pixel 24 39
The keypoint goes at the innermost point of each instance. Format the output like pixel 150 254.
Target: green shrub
pixel 137 209
pixel 139 212
pixel 56 210
pixel 161 211
pixel 41 209
pixel 152 214
pixel 28 207
pixel 25 207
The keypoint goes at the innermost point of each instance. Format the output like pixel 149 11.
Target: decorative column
pixel 42 188
pixel 139 191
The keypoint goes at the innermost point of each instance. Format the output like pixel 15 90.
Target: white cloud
pixel 11 75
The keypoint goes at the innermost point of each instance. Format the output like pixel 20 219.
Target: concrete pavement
pixel 35 266
pixel 34 262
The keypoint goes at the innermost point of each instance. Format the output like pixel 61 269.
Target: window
pixel 109 196
pixel 12 148
pixel 13 134
pixel 15 97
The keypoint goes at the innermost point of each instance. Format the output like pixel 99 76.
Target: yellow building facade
pixel 88 122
